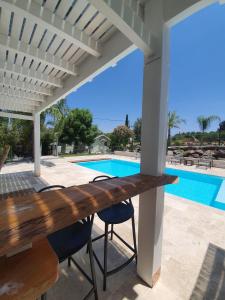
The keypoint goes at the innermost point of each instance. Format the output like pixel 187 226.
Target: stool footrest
pixel 99 237
pixel 123 241
pixel 81 270
pixel 108 273
pixel 115 270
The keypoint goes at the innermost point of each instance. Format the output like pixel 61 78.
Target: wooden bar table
pixel 30 218
pixel 28 274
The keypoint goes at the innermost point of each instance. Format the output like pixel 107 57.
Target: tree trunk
pixel 202 137
pixel 169 138
pixel 4 155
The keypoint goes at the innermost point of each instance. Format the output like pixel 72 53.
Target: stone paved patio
pixel 193 258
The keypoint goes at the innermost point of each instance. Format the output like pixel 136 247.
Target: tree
pixel 205 122
pixel 222 126
pixel 127 123
pixel 174 121
pixel 221 129
pixel 78 128
pixel 47 138
pixel 56 115
pixel 24 145
pixel 137 130
pixel 8 137
pixel 120 137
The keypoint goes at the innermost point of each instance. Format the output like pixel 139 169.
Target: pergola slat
pixel 17 101
pixel 16 107
pixel 16 46
pixel 4 114
pixel 118 47
pixel 21 94
pixel 79 6
pixel 25 86
pixel 44 17
pixel 127 20
pixel 29 73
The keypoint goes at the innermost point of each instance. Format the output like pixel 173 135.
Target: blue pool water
pixel 197 187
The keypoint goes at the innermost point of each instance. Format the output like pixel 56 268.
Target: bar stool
pixel 116 214
pixel 69 241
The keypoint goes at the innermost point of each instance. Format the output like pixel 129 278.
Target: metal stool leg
pixel 111 232
pixel 44 297
pixel 134 237
pixel 93 275
pixel 105 256
pixel 92 221
pixel 69 261
pixel 87 249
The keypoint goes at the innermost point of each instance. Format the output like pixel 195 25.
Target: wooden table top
pixel 30 217
pixel 29 274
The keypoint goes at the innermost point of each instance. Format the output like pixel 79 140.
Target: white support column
pixel 37 145
pixel 153 150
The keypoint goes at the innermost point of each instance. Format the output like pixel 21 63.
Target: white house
pixel 101 144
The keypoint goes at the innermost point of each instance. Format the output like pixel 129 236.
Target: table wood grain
pixel 31 217
pixel 29 274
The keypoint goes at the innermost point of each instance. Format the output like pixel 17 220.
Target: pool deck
pixel 193 258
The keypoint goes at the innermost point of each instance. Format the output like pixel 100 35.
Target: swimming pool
pixel 198 187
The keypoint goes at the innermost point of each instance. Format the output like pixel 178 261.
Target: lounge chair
pixel 176 160
pixel 204 162
pixel 189 161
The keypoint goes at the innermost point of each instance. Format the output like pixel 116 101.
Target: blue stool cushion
pixel 117 213
pixel 71 239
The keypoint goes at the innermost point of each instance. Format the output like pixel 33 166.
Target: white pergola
pixel 49 48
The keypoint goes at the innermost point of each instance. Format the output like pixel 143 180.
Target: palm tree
pixel 57 114
pixel 174 121
pixel 205 122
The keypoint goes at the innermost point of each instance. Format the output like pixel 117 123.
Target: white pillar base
pixel 151 207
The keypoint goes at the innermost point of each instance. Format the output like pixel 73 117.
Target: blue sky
pixel 197 77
